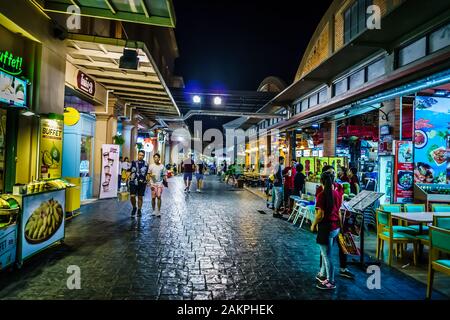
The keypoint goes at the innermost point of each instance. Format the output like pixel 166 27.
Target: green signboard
pixel 10 63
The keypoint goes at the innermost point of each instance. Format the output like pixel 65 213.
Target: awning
pixel 144 89
pixel 153 12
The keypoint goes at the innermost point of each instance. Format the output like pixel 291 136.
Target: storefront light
pixel 28 113
pixel 217 101
pixel 197 99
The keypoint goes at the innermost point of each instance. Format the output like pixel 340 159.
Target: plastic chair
pixel 385 232
pixel 295 208
pixel 437 207
pixel 439 242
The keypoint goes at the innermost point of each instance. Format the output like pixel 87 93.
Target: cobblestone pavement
pixel 214 245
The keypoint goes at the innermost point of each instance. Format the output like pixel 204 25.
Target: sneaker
pixel 326 285
pixel 198 190
pixel 133 212
pixel 158 214
pixel 139 212
pixel 321 278
pixel 346 274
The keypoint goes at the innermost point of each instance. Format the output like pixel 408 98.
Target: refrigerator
pixel 386 178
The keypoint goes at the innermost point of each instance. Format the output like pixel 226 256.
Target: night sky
pixel 235 44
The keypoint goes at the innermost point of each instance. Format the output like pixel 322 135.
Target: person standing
pixel 354 181
pixel 289 175
pixel 158 177
pixel 138 182
pixel 343 271
pixel 188 169
pixel 119 177
pixel 327 223
pixel 199 174
pixel 299 180
pixel 278 186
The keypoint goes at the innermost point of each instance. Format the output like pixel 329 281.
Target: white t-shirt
pixel 125 166
pixel 157 173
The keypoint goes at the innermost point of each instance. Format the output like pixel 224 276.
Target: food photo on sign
pixel 431 140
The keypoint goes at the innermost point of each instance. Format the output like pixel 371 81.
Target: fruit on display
pixel 44 221
pixel 57 184
pixel 4 204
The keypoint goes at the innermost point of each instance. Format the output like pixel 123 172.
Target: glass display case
pixel 386 170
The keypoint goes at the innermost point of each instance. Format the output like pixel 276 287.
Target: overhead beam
pixel 100 64
pixel 101 54
pixel 143 96
pixel 144 7
pixel 162 103
pixel 130 83
pixel 155 92
pixel 111 7
pixel 120 75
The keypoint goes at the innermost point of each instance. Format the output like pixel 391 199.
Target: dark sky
pixel 235 44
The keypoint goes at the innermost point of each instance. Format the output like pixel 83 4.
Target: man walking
pixel 188 169
pixel 199 173
pixel 138 182
pixel 158 176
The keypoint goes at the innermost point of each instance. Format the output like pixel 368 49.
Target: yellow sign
pixel 51 148
pixel 71 116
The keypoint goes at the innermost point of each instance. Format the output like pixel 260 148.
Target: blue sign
pixel 13 91
pixel 432 140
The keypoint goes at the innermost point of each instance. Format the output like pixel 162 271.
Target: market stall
pixel 9 211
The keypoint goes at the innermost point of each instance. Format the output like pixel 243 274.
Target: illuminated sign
pixel 13 91
pixel 85 83
pixel 10 63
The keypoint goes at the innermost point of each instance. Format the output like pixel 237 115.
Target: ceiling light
pixel 217 101
pixel 197 99
pixel 28 113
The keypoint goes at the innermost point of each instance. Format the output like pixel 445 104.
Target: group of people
pixel 189 168
pixel 290 180
pixel 139 174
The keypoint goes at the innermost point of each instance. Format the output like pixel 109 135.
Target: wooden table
pixel 418 217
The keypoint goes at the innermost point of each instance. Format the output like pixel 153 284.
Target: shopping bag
pixel 347 243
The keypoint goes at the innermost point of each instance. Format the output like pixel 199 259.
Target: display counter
pixel 429 193
pixel 9 212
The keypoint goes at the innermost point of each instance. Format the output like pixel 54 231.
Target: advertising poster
pixel 50 159
pixel 308 164
pixel 404 175
pixel 110 171
pixel 13 91
pixel 42 221
pixel 431 140
pixel 8 245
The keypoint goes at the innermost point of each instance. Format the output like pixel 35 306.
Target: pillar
pixel 391 108
pixel 126 134
pixel 104 128
pixel 133 140
pixel 329 139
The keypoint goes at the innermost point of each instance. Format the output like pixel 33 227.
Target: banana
pixel 41 231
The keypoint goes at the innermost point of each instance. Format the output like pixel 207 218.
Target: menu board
pixel 13 91
pixel 110 171
pixel 404 175
pixel 432 140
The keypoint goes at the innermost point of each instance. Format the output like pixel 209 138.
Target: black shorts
pixel 138 190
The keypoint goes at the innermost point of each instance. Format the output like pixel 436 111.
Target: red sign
pixel 85 83
pixel 404 172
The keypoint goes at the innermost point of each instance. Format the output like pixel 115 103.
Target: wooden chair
pixel 393 208
pixel 439 242
pixel 416 208
pixel 386 232
pixel 437 207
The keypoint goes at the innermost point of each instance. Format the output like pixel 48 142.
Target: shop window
pixel 357 79
pixel 340 87
pixel 85 156
pixel 375 70
pixel 355 18
pixel 323 95
pixel 412 52
pixel 2 149
pixel 440 38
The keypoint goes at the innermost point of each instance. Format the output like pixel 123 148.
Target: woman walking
pixel 327 223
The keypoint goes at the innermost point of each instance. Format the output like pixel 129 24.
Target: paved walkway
pixel 214 245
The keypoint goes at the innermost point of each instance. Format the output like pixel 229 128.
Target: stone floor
pixel 214 245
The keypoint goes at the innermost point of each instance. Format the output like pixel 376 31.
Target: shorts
pixel 138 190
pixel 187 176
pixel 157 190
pixel 199 176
